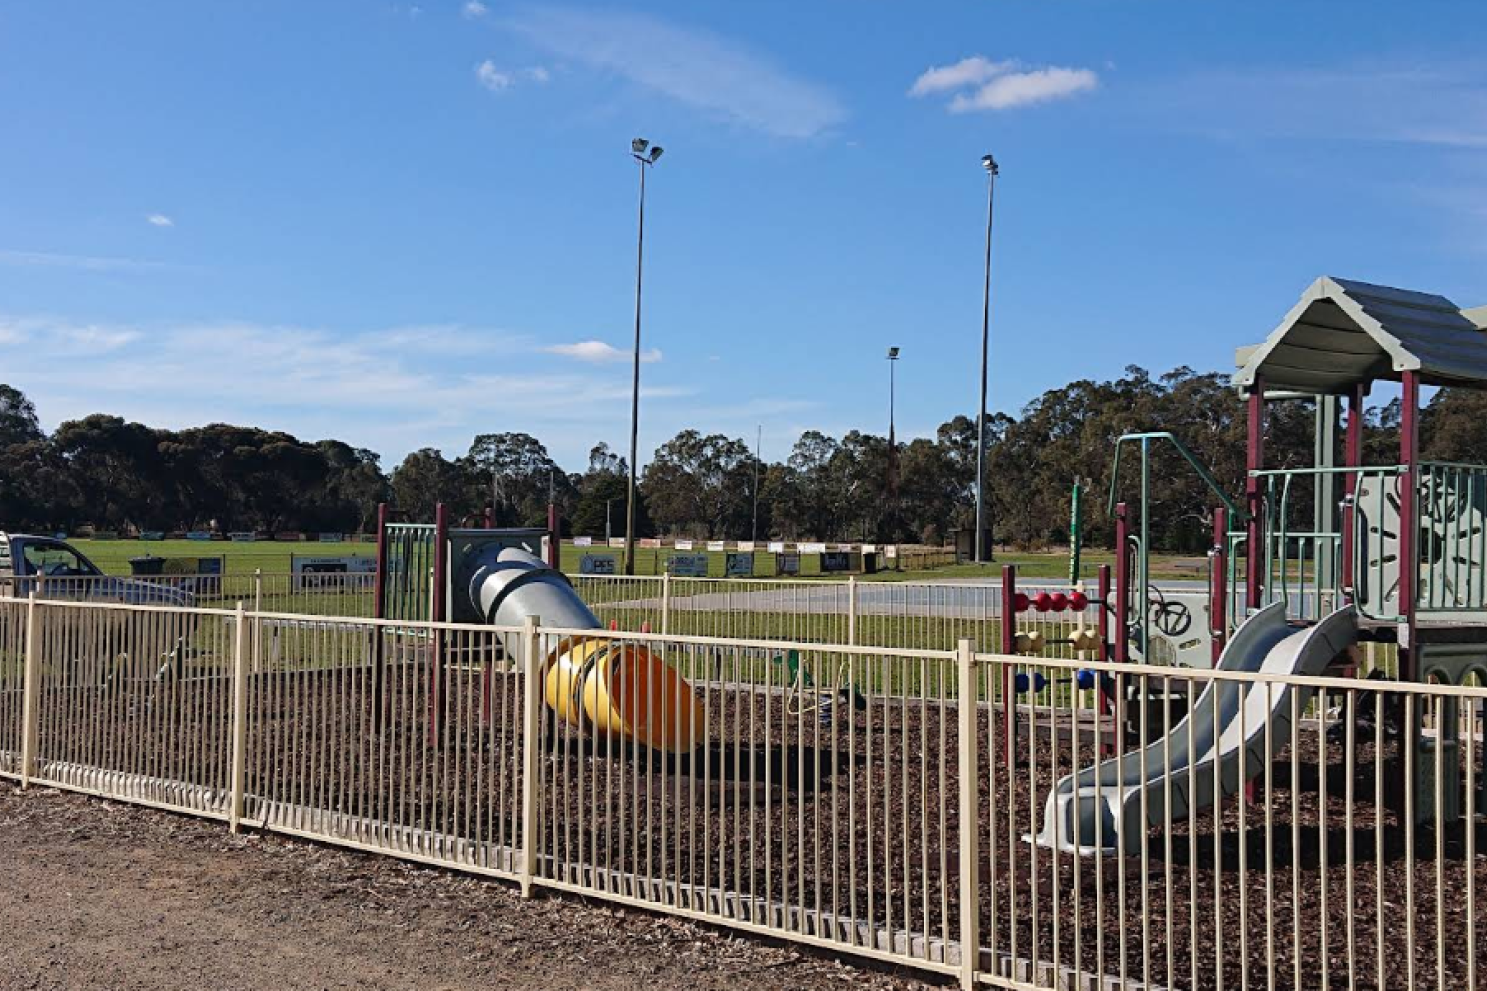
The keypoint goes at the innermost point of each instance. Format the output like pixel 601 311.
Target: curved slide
pixel 598 685
pixel 1099 809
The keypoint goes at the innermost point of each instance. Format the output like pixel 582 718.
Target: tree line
pixel 114 474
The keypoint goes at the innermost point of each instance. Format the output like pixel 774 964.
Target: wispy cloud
pixel 979 83
pixel 1440 103
pixel 693 66
pixel 496 79
pixel 599 353
pixel 63 336
pixel 491 77
pixel 159 220
pixel 474 9
pixel 86 263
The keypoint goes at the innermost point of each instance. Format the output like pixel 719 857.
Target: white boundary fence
pixel 853 797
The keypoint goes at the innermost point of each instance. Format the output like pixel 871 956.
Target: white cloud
pixel 496 79
pixel 598 352
pixel 691 66
pixel 491 77
pixel 970 71
pixel 474 8
pixel 1020 89
pixel 982 84
pixel 159 220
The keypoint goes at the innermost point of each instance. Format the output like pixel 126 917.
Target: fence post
pixel 665 603
pixel 258 608
pixel 531 749
pixel 968 708
pixel 239 715
pixel 852 610
pixel 30 695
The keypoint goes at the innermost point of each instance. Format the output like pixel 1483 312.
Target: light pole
pixel 758 445
pixel 892 443
pixel 645 154
pixel 988 163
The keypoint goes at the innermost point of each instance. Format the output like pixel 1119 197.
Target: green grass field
pixel 273 558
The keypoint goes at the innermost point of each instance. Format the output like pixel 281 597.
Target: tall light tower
pixel 645 154
pixel 892 445
pixel 988 163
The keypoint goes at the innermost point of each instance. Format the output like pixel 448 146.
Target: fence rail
pixel 871 799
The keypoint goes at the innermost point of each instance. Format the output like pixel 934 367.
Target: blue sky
pixel 402 224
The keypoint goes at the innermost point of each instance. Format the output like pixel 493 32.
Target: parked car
pixel 55 569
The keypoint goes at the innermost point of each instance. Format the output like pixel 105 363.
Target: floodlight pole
pixel 990 165
pixel 638 152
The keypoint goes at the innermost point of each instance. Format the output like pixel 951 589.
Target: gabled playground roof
pixel 1343 333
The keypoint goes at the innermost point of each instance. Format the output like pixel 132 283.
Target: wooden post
pixel 970 839
pixel 531 752
pixel 30 693
pixel 1254 543
pixel 239 716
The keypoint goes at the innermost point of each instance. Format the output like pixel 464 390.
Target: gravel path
pixel 96 894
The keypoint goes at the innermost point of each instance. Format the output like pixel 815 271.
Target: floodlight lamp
pixel 639 145
pixel 989 164
pixel 655 153
pixel 893 354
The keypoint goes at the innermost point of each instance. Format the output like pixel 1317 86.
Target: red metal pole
pixel 1122 584
pixel 1409 524
pixel 1254 549
pixel 1218 592
pixel 1009 647
pixel 1352 457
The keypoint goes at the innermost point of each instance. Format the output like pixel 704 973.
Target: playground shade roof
pixel 1343 333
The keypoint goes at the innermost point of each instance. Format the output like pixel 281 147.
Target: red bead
pixel 1078 601
pixel 1043 602
pixel 1059 601
pixel 1020 602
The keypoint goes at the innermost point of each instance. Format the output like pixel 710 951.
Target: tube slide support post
pixel 1009 646
pixel 31 694
pixel 531 640
pixel 1352 457
pixel 968 711
pixel 239 715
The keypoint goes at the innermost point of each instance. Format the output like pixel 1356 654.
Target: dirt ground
pixel 97 894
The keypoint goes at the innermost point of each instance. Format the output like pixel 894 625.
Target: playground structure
pixel 837 764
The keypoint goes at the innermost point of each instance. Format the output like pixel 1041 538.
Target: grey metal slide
pixel 1100 809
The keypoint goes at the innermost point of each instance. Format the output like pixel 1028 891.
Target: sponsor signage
pixel 869 548
pixel 717 545
pixel 583 541
pixel 242 536
pixel 596 564
pixel 739 565
pixel 746 546
pixel 346 573
pixel 890 550
pixel 332 538
pixel 836 561
pixel 651 542
pixel 787 564
pixel 683 545
pixel 811 548
pixel 616 541
pixel 687 565
pixel 152 535
pixel 844 548
pixel 776 547
pixel 198 535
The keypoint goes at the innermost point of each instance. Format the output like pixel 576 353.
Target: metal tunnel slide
pixel 598 685
pixel 1099 809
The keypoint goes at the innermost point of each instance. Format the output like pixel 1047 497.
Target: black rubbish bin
pixel 870 562
pixel 148 566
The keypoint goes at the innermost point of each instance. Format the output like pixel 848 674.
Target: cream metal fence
pixel 862 798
